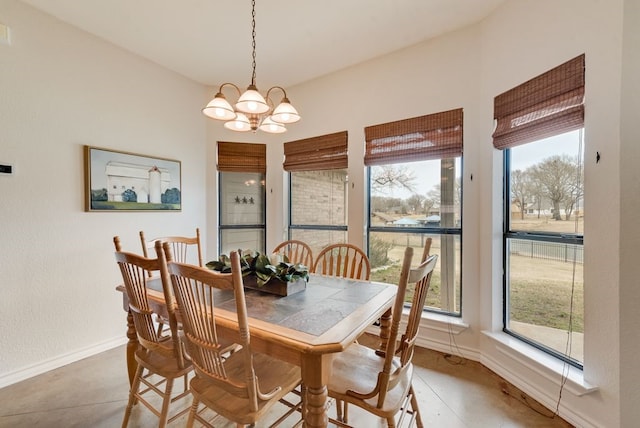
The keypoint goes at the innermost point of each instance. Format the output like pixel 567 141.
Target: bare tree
pixel 435 194
pixel 521 190
pixel 575 193
pixel 384 203
pixel 415 203
pixel 388 177
pixel 557 178
pixel 428 204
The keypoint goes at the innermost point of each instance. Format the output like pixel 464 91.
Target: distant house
pixel 432 220
pixel 385 218
pixel 406 222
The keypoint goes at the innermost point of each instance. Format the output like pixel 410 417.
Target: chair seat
pixel 271 373
pixel 159 362
pixel 354 370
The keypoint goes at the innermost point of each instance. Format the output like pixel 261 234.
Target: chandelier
pixel 252 111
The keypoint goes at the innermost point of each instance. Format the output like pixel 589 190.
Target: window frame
pixel 222 227
pixel 239 158
pixel 427 231
pixel 508 233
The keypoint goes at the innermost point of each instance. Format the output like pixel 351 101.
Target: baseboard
pixel 548 401
pixel 59 361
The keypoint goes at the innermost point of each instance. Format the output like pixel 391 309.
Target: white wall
pixel 59 90
pixel 51 73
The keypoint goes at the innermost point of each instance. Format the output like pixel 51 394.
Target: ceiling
pixel 209 41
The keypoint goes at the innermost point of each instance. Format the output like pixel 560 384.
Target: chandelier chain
pixel 253 41
pixel 252 110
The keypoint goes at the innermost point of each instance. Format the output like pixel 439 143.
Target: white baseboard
pixel 58 361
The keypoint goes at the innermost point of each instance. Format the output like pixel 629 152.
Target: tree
pixel 415 203
pixel 99 195
pixel 129 196
pixel 521 190
pixel 558 178
pixel 575 193
pixel 384 203
pixel 170 196
pixel 428 204
pixel 388 177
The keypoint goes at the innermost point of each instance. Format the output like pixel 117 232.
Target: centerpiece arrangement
pixel 269 274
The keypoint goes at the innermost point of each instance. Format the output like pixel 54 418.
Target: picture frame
pixel 124 181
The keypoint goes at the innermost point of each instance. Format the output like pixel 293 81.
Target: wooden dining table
pixel 306 328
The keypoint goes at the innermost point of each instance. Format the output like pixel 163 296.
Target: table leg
pixel 316 370
pixel 385 326
pixel 132 347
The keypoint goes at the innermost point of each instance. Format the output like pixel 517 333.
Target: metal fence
pixel 547 250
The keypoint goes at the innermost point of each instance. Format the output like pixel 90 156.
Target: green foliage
pixel 254 263
pixel 378 251
pixel 170 196
pixel 99 195
pixel 129 196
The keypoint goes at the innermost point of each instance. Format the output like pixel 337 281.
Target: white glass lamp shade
pixel 251 102
pixel 285 112
pixel 219 108
pixel 240 123
pixel 272 127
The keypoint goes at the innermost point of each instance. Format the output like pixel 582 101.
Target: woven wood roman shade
pixel 242 157
pixel 316 153
pixel 547 105
pixel 435 136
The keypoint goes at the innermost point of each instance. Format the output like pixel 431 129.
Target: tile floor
pixel 452 392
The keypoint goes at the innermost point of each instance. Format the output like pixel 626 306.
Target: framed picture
pixel 122 181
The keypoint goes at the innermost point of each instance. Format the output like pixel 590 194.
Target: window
pixel 540 129
pixel 318 189
pixel 415 170
pixel 242 169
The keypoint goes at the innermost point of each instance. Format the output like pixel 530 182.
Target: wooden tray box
pixel 275 285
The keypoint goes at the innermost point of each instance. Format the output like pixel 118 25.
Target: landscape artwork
pixel 123 181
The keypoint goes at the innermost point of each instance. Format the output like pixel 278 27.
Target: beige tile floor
pixel 452 392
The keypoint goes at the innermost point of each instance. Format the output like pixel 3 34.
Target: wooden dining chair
pixel 381 382
pixel 343 260
pixel 157 356
pixel 234 385
pixel 185 249
pixel 296 252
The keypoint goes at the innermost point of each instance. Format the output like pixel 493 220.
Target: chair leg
pixel 415 408
pixel 339 410
pixel 193 412
pixel 391 423
pixel 132 396
pixel 166 400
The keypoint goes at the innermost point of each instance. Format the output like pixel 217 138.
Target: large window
pixel 242 209
pixel 318 189
pixel 415 170
pixel 539 127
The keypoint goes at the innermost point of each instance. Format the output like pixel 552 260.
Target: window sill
pixel 441 322
pixel 434 321
pixel 542 363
